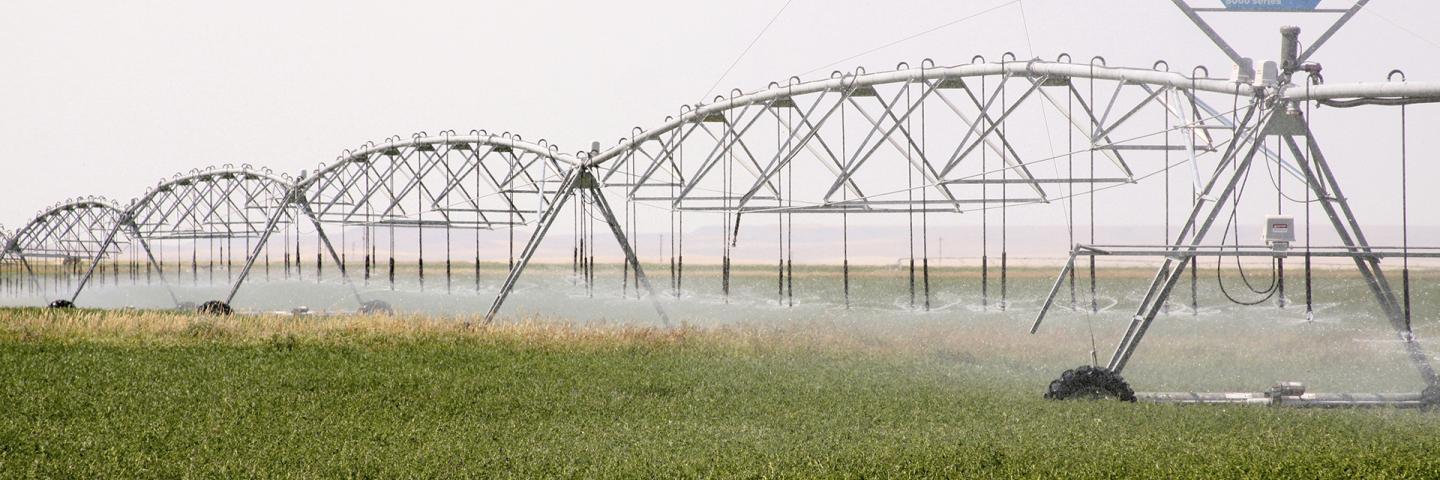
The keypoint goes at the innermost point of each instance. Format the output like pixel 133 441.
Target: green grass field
pixel 141 394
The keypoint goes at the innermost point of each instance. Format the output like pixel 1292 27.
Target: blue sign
pixel 1270 5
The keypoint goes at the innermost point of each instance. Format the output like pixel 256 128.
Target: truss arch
pixel 477 180
pixel 73 229
pixel 947 126
pixel 227 202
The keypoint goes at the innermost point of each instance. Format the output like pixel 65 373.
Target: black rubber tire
pixel 62 304
pixel 215 307
pixel 376 307
pixel 1090 383
pixel 1430 397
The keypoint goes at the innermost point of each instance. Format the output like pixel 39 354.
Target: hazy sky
pixel 108 97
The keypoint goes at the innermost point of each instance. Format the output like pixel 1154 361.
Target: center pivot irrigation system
pixel 922 142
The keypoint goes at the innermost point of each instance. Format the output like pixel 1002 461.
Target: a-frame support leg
pixel 579 178
pixel 588 182
pixel 259 247
pixel 29 271
pixel 547 219
pixel 1328 192
pixel 334 257
pixel 100 254
pixel 1179 256
pixel 1327 189
pixel 150 257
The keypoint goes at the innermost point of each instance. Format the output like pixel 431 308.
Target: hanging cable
pixel 790 210
pixel 726 177
pixel 680 213
pixel 590 208
pixel 1165 307
pixel 1309 292
pixel 1004 205
pixel 910 198
pixel 1232 227
pixel 368 232
pixel 319 259
pixel 507 191
pixel 674 179
pixel 1094 300
pixel 391 238
pixel 844 211
pixel 1070 189
pixel 1404 216
pixel 447 253
pixel 984 213
pixel 924 204
pixel 1279 210
pixel 1194 194
pixel 630 227
pixel 780 142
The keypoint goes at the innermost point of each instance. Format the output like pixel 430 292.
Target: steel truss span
pixel 918 139
pixel 941 133
pixel 73 229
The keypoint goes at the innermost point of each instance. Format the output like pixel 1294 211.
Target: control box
pixel 1279 232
